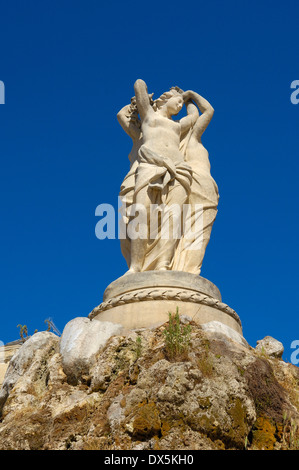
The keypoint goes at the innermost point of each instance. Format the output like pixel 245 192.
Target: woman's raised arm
pixel 142 97
pixel 124 117
pixel 206 109
pixel 192 115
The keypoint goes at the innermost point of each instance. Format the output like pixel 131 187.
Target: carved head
pixel 172 99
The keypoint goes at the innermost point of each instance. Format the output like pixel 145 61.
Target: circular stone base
pixel 143 300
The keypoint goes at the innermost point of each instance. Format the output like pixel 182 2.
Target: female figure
pixel 162 175
pixel 204 195
pixel 130 122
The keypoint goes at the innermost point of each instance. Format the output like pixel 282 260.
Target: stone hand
pixel 187 95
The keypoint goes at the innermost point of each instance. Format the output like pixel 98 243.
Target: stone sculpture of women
pixel 169 166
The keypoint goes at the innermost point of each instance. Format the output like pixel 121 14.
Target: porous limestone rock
pixel 7 351
pixel 218 394
pixel 81 340
pixel 270 346
pixel 30 356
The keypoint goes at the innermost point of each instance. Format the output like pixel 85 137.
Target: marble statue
pixel 169 168
pixel 169 204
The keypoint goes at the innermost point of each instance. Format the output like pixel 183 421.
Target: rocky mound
pixel 135 393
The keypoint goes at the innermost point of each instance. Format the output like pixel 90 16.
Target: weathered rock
pixel 7 351
pixel 29 356
pixel 219 395
pixel 81 341
pixel 270 346
pixel 219 329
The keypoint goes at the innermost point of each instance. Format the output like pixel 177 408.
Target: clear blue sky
pixel 68 67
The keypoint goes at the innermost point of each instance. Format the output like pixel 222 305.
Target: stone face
pixel 270 346
pixel 220 395
pixel 81 340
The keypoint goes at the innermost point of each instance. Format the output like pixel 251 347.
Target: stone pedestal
pixel 144 300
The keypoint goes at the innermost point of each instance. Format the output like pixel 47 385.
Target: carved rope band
pixel 169 294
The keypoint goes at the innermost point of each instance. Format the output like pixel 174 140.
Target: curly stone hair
pixel 132 112
pixel 174 91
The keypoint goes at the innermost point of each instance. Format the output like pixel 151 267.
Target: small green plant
pixel 138 348
pixel 204 359
pixel 205 365
pixel 177 337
